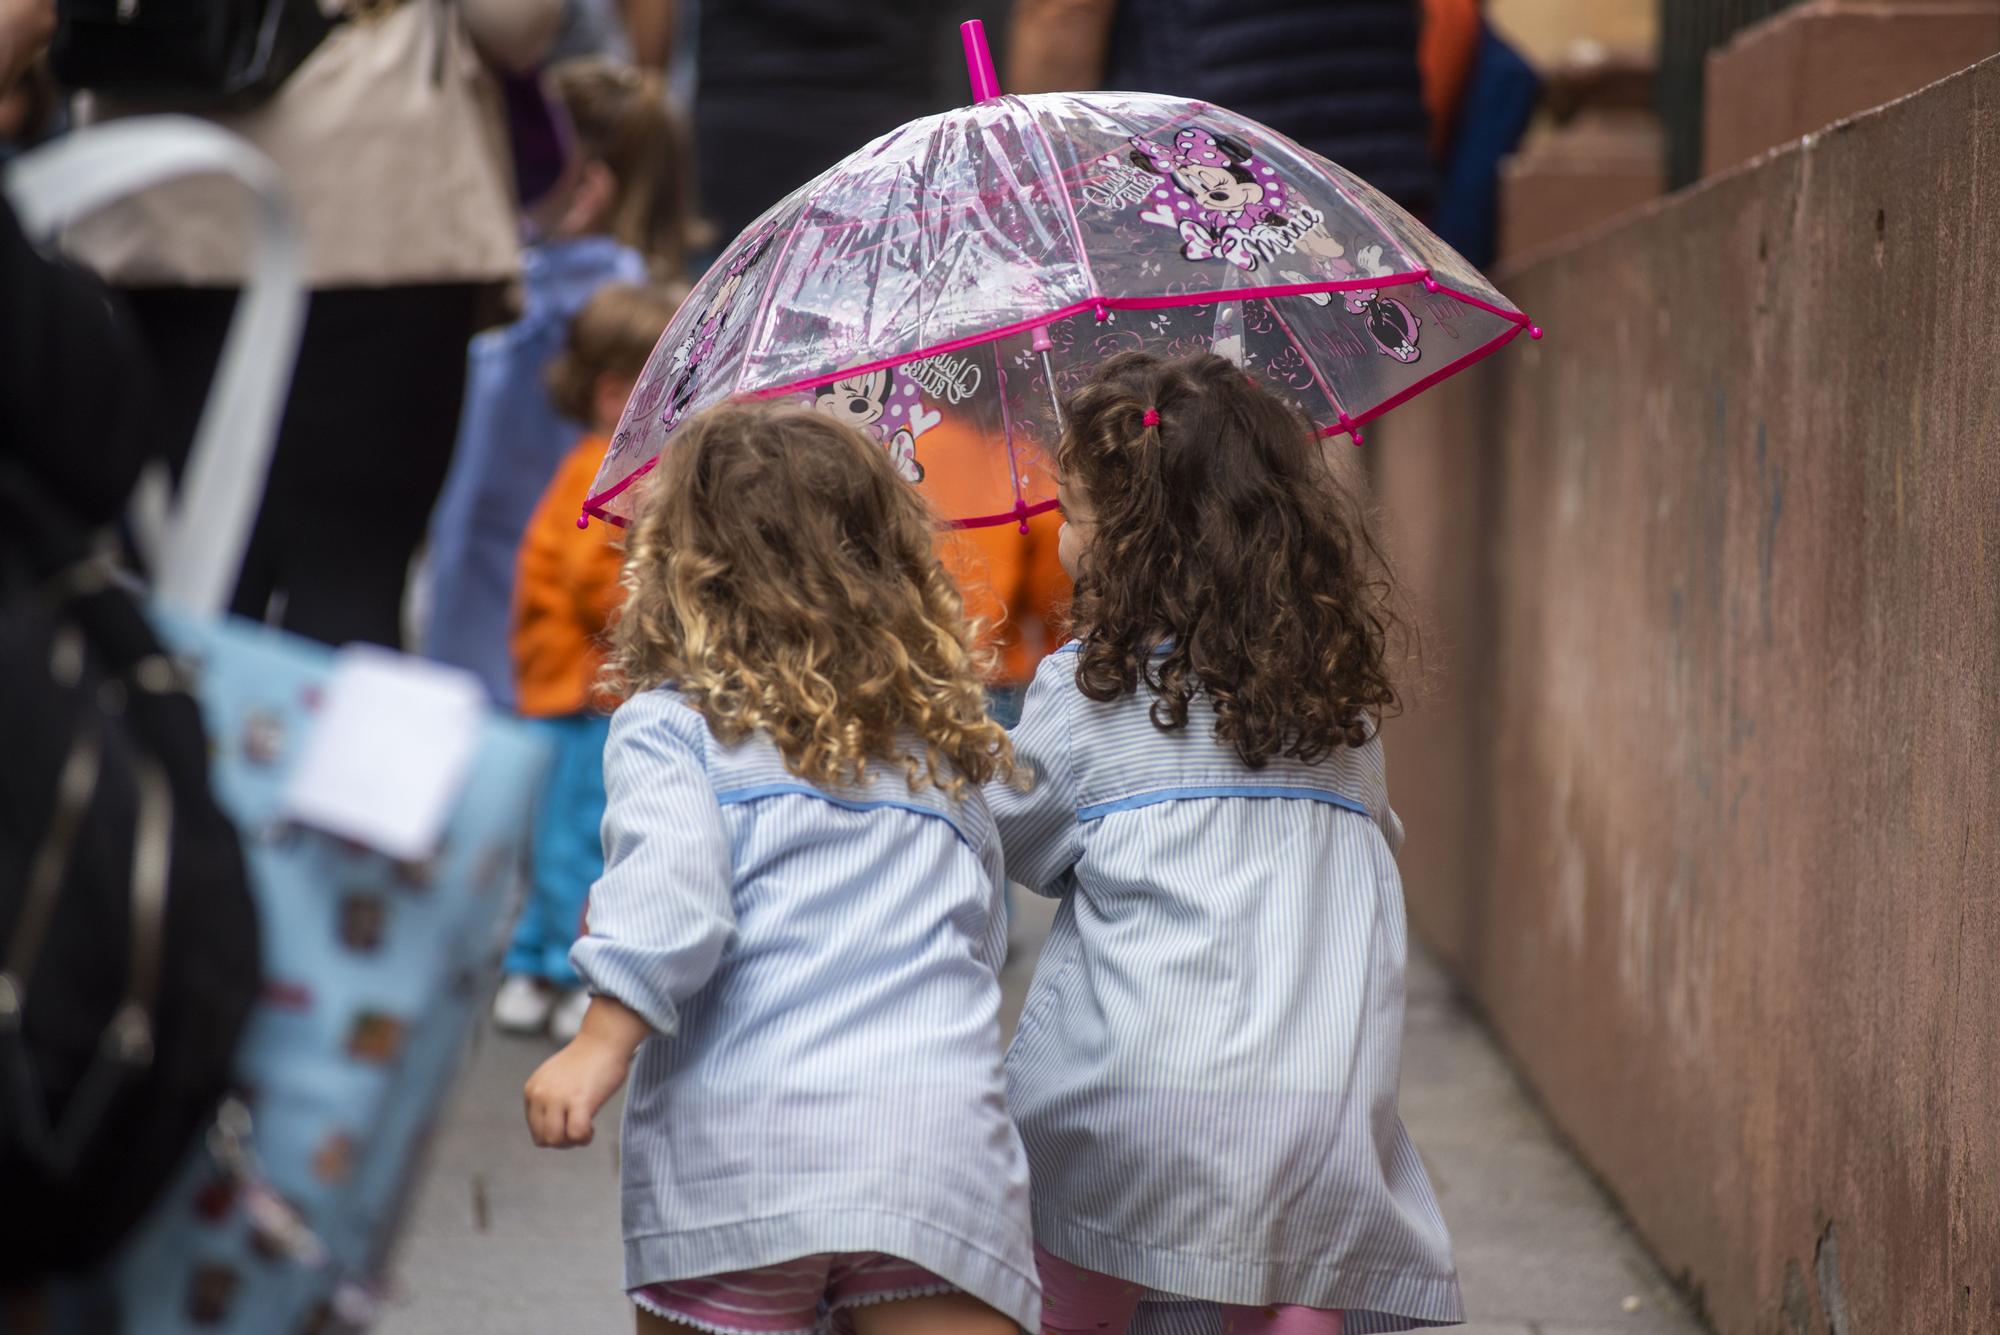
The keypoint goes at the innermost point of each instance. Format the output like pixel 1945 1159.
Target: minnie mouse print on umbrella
pixel 946 286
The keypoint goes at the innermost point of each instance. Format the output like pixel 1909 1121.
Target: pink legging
pixel 1076 1301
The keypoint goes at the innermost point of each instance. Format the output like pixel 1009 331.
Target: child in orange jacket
pixel 1015 589
pixel 565 592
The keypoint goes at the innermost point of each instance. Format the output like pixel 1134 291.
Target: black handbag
pixel 129 956
pixel 185 54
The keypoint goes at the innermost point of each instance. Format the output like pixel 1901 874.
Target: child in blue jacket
pixel 618 216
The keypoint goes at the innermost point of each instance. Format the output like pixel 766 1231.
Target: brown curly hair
pixel 1226 559
pixel 612 334
pixel 783 577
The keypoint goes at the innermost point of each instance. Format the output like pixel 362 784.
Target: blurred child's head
pixel 606 349
pixel 782 575
pixel 1205 522
pixel 629 176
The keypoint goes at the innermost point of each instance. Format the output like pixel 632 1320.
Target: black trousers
pixel 366 437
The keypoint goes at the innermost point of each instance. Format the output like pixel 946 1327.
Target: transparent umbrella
pixel 969 269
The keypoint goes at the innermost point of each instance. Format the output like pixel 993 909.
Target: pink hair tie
pixel 1152 417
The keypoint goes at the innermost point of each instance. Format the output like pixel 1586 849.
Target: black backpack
pixel 187 54
pixel 129 955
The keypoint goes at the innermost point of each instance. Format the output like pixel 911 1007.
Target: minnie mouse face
pixel 857 400
pixel 1211 170
pixel 1227 190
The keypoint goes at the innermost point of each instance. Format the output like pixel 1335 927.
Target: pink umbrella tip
pixel 979 61
pixel 583 521
pixel 1534 331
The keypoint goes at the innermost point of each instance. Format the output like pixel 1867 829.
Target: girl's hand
pixel 564 1095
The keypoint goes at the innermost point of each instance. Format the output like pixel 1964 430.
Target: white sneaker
pixel 566 1020
pixel 522 1005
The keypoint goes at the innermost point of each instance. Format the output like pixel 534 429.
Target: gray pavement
pixel 505 1239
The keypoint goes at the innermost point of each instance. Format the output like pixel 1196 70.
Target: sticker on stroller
pixel 364 921
pixel 376 1037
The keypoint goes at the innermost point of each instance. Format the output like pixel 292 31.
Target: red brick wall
pixel 1704 795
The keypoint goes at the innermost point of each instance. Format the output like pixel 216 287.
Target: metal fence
pixel 1689 30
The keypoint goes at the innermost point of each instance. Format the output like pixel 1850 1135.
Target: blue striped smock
pixel 821 969
pixel 1205 1072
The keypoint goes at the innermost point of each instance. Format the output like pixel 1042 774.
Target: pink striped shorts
pixel 785 1298
pixel 1076 1301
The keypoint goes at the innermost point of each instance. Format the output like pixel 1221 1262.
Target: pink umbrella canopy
pixel 947 286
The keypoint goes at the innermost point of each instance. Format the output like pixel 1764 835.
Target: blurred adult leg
pixel 181 329
pixel 362 453
pixel 362 449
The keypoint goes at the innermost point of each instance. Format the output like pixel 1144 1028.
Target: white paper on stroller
pixel 388 751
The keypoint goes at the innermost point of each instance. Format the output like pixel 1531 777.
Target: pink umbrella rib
pixel 1007 426
pixel 1010 517
pixel 1517 317
pixel 1080 174
pixel 1311 365
pixel 1014 516
pixel 776 270
pixel 1519 322
pixel 1478 354
pixel 1163 302
pixel 595 505
pixel 1069 206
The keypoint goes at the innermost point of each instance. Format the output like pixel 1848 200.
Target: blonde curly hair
pixel 783 577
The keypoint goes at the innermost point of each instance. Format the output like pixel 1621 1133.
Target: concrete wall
pixel 1812 64
pixel 1704 796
